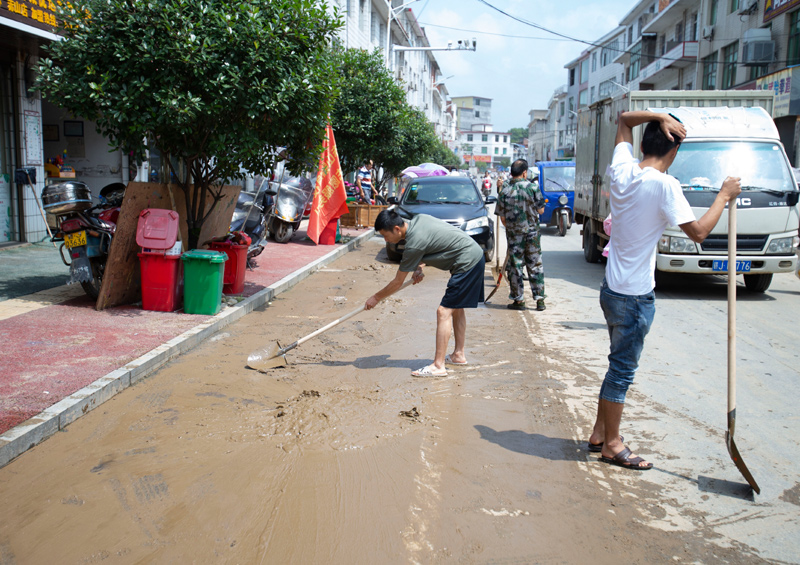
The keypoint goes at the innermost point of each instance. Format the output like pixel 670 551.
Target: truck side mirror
pixel 792 198
pixel 392 200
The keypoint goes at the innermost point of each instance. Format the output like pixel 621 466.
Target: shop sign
pixel 483 158
pixel 37 13
pixel 774 8
pixel 784 85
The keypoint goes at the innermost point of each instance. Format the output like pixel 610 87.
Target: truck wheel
pixel 590 243
pixel 757 283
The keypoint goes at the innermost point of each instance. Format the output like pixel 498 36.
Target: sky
pixel 518 74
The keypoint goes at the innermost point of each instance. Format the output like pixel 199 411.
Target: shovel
pixel 274 355
pixel 499 278
pixel 732 450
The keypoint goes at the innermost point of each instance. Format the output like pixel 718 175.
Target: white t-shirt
pixel 644 202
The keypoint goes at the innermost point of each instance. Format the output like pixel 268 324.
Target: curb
pixel 35 430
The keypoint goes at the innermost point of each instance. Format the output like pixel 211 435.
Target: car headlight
pixel 563 199
pixel 673 244
pixel 476 223
pixel 781 246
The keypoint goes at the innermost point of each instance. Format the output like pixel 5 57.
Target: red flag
pixel 329 194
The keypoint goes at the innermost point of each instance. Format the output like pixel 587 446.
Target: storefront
pixel 34 131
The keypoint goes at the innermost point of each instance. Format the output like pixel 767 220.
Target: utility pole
pixel 392 15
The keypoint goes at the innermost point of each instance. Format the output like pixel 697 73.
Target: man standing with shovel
pixel 432 242
pixel 644 202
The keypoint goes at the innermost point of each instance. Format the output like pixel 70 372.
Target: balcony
pixel 677 55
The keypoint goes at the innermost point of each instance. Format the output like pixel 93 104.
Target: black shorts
pixel 465 290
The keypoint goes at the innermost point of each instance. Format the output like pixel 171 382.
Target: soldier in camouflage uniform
pixel 519 204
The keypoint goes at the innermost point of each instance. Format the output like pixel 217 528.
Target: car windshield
pixel 419 192
pixel 559 178
pixel 703 165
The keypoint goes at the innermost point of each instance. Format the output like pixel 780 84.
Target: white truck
pixel 729 133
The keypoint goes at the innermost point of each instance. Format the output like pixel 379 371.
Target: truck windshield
pixel 559 179
pixel 703 165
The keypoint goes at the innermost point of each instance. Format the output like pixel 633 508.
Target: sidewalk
pixel 62 358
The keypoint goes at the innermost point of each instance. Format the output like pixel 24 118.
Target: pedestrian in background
pixel 644 202
pixel 364 181
pixel 519 204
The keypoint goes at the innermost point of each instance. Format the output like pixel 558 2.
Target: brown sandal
pixel 598 447
pixel 623 459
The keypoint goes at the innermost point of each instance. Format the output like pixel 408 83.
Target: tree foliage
pixel 372 120
pixel 216 85
pixel 518 134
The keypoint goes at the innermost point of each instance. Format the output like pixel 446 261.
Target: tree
pixel 414 144
pixel 444 156
pixel 367 116
pixel 518 134
pixel 215 85
pixel 505 162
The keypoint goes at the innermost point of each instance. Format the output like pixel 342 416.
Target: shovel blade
pixel 268 358
pixel 739 462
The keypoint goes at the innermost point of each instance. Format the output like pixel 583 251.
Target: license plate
pixel 722 266
pixel 75 239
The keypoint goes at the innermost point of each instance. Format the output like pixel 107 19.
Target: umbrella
pixel 415 172
pixel 432 167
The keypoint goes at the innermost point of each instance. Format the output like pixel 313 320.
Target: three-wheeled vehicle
pixel 557 183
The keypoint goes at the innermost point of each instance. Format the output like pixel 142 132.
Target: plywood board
pixel 122 279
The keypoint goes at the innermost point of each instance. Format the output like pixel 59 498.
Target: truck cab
pixel 741 142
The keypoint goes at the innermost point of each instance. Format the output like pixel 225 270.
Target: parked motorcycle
pixel 292 198
pixel 250 217
pixel 85 230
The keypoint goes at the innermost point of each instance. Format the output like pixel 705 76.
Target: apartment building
pixel 482 144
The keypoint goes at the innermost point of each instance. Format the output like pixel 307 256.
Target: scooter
pixel 292 198
pixel 250 217
pixel 85 230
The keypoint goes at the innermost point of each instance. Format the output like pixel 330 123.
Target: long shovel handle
pixel 731 314
pixel 344 318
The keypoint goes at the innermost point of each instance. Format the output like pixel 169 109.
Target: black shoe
pixel 540 305
pixel 516 305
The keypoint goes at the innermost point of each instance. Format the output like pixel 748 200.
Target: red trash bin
pixel 235 266
pixel 162 286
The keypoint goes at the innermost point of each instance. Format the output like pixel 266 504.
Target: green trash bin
pixel 203 272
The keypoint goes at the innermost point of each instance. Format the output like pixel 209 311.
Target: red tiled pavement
pixel 50 353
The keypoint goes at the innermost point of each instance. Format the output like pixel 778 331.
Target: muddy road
pixel 343 457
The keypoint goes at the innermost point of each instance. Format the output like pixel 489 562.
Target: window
pixel 793 51
pixel 608 53
pixel 594 61
pixel 496 150
pixel 734 6
pixel 730 56
pixel 591 95
pixel 484 137
pixel 584 70
pixel 375 27
pixel 477 101
pixel 561 108
pixel 505 139
pixel 571 103
pixel 636 60
pixel 583 98
pixel 572 77
pixel 484 150
pixel 679 32
pixel 758 72
pixel 505 150
pixel 469 137
pixel 712 12
pixel 496 138
pixel 630 36
pixel 477 114
pixel 362 15
pixel 692 31
pixel 710 72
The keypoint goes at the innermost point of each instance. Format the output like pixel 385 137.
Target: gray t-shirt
pixel 440 245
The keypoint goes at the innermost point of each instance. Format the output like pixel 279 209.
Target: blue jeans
pixel 629 319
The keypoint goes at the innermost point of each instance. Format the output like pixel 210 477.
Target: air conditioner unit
pixel 758 52
pixel 708 32
pixel 750 7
